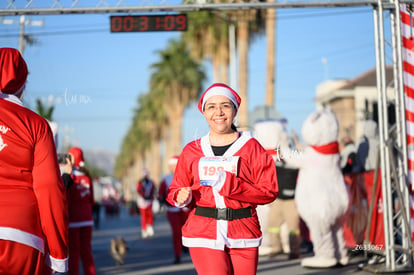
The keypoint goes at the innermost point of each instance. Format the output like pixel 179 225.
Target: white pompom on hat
pixel 219 89
pixel 77 156
pixel 145 172
pixel 173 160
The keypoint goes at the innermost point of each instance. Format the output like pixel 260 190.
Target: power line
pixel 279 17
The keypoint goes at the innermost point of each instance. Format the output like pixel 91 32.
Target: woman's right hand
pixel 183 195
pixel 68 166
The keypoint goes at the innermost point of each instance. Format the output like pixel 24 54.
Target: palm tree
pixel 249 24
pixel 134 144
pixel 154 119
pixel 175 82
pixel 207 38
pixel 177 78
pixel 43 111
pixel 243 52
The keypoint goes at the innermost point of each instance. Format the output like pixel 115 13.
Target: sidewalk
pixel 155 255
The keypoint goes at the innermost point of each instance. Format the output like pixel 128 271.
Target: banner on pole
pixel 407 30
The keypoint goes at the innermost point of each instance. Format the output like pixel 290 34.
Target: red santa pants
pixel 80 249
pixel 147 218
pixel 17 259
pixel 177 220
pixel 225 262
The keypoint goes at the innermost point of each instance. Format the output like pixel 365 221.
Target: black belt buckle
pixel 222 213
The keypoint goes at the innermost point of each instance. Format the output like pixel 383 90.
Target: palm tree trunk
pixel 154 162
pixel 175 111
pixel 224 61
pixel 131 178
pixel 173 142
pixel 243 51
pixel 215 60
pixel 270 66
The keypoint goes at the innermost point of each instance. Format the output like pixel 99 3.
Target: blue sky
pixel 96 76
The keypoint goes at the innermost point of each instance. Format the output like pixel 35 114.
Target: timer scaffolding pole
pixel 398 249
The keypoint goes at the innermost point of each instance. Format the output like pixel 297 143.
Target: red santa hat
pixel 219 89
pixel 77 154
pixel 13 72
pixel 173 160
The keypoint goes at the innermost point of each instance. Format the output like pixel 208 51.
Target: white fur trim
pixel 221 179
pixel 59 265
pixel 220 91
pixel 219 244
pixel 172 161
pixel 11 98
pixel 235 147
pixel 19 236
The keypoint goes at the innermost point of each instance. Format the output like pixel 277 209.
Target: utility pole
pixel 23 38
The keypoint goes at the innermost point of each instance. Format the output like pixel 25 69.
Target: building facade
pixel 354 101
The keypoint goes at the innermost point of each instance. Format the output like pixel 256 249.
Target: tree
pixel 270 57
pixel 178 79
pixel 249 25
pixel 175 82
pixel 207 39
pixel 44 111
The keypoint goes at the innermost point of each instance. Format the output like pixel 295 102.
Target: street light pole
pixel 22 35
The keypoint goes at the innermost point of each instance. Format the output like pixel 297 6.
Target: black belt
pixel 228 214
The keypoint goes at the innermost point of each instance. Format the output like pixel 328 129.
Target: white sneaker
pixel 144 234
pixel 150 230
pixel 318 262
pixel 344 260
pixel 264 250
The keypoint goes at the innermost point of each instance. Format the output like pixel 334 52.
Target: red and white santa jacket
pixel 80 198
pixel 33 205
pixel 146 192
pixel 255 183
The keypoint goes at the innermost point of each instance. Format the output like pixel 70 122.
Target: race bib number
pixel 209 168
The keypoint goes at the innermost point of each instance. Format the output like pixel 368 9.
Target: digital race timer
pixel 149 23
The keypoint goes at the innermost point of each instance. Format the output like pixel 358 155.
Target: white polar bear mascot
pixel 321 196
pixel 267 132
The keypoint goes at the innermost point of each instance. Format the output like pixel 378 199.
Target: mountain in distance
pixel 101 159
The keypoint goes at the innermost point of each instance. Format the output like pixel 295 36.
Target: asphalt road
pixel 155 255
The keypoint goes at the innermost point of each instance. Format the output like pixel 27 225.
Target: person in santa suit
pixel 176 216
pixel 222 177
pixel 80 199
pixel 33 204
pixel 146 193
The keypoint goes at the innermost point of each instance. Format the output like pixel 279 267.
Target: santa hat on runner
pixel 173 160
pixel 219 89
pixel 13 72
pixel 77 154
pixel 145 172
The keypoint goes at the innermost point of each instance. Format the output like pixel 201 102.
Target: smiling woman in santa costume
pixel 222 177
pixel 33 206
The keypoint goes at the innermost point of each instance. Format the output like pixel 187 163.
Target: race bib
pixel 209 168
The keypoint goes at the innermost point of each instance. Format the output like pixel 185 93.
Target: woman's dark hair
pixel 233 127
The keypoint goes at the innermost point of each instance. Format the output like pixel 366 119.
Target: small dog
pixel 118 250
